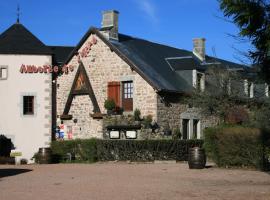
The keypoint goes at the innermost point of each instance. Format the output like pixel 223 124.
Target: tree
pixel 252 17
pixel 223 96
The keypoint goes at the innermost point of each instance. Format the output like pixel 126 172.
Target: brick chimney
pixel 109 25
pixel 199 48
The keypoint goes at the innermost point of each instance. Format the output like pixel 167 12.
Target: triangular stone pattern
pixel 81 86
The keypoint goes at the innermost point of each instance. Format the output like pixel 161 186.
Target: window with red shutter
pixel 114 92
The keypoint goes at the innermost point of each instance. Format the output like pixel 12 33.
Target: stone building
pixel 136 74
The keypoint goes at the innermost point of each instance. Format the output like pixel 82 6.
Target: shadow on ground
pixel 12 172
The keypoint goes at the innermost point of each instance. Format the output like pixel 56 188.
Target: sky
pixel 171 22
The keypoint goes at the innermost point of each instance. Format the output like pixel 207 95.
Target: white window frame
pixel 3 67
pixel 195 74
pixel 35 104
pixel 266 90
pixel 249 89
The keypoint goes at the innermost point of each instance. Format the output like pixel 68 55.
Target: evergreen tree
pixel 253 20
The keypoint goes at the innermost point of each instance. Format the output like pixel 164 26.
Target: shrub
pixel 177 133
pixel 147 121
pixel 137 115
pixel 234 146
pixel 90 150
pixel 109 104
pixel 82 150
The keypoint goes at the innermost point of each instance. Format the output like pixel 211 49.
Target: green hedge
pixel 235 146
pixel 82 150
pixel 91 150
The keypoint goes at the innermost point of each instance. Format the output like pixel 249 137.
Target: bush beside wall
pixel 81 150
pixel 91 150
pixel 234 146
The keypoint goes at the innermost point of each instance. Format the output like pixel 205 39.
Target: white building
pixel 26 97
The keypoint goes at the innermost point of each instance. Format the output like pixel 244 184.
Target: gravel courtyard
pixel 123 181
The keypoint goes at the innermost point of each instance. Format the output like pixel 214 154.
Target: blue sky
pixel 171 22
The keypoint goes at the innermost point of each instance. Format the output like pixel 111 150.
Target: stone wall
pixel 169 109
pixel 172 109
pixel 102 66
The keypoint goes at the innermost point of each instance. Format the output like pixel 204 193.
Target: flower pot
pixel 109 112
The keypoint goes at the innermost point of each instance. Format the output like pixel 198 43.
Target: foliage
pixel 223 92
pixel 5 146
pixel 253 20
pixel 261 116
pixel 137 115
pixel 177 133
pixel 90 150
pixel 234 146
pixel 109 104
pixel 147 120
pixel 82 150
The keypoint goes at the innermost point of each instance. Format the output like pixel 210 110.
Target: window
pixel 249 88
pixel 122 94
pixel 198 80
pixel 114 92
pixel 3 72
pixel 185 129
pixel 128 90
pixel 266 90
pixel 191 129
pixel 196 129
pixel 28 105
pixel 127 95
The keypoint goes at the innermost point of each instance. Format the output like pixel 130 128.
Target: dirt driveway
pixel 123 181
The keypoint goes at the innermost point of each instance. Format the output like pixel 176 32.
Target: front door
pixel 185 128
pixel 127 96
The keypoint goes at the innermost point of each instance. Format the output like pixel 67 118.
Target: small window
pixel 128 90
pixel 198 80
pixel 28 105
pixel 249 88
pixel 3 72
pixel 266 90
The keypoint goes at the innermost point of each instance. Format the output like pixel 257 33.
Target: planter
pixel 196 158
pixel 44 155
pixel 109 112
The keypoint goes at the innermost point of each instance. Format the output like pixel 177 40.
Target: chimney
pixel 199 48
pixel 109 25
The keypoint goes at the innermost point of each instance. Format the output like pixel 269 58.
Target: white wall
pixel 28 133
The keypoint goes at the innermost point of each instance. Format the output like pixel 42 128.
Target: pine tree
pixel 253 20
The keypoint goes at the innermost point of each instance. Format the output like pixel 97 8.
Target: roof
pixel 60 53
pixel 158 64
pixel 18 40
pixel 161 63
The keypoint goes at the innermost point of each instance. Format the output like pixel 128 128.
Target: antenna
pixel 18 13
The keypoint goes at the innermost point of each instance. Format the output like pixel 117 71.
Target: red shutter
pixel 114 92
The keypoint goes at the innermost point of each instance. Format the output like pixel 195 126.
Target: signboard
pixel 114 135
pixel 131 134
pixel 15 153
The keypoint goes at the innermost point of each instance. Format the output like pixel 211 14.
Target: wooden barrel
pixel 196 158
pixel 44 155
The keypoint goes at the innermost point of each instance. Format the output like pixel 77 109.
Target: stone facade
pixel 102 66
pixel 172 109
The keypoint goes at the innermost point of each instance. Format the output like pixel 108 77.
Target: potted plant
pixel 137 116
pixel 109 104
pixel 118 110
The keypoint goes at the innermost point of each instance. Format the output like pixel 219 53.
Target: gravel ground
pixel 123 181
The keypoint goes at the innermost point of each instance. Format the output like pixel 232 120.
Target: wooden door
pixel 127 96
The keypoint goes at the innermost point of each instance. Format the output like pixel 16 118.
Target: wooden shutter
pixel 114 92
